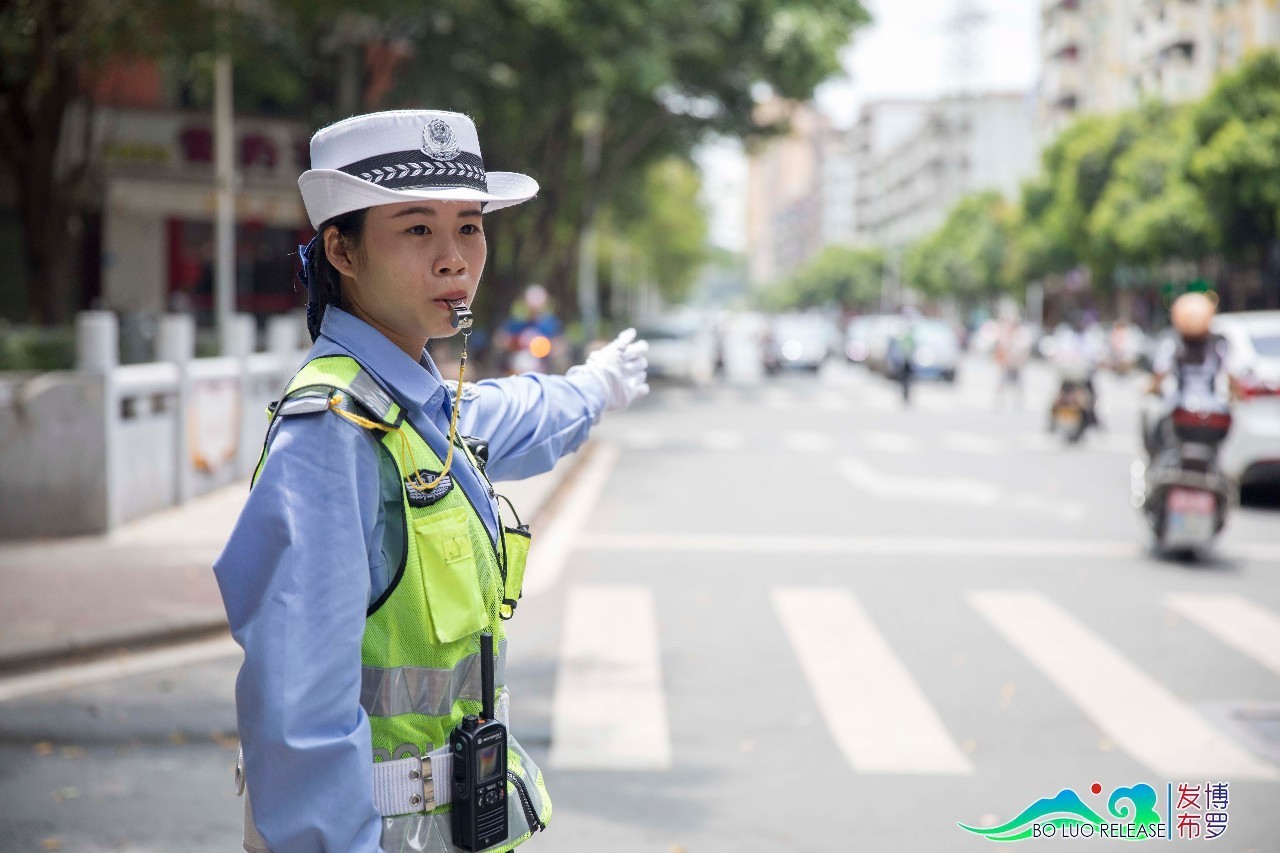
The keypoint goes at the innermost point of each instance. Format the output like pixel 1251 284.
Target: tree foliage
pixel 662 228
pixel 967 255
pixel 1236 164
pixel 1149 212
pixel 1137 191
pixel 585 95
pixel 840 275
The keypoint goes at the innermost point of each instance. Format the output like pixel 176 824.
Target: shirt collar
pixel 416 382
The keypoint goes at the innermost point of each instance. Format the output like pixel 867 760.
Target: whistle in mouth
pixel 462 317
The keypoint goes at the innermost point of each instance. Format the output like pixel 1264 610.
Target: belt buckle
pixel 428 799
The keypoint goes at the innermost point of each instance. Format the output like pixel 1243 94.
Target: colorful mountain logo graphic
pixel 1068 810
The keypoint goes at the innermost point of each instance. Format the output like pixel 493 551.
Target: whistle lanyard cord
pixel 406 448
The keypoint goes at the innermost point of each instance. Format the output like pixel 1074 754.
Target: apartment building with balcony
pixel 910 180
pixel 1100 56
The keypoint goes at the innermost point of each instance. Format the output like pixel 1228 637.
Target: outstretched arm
pixel 532 420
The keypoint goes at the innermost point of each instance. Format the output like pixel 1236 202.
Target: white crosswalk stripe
pixel 1135 711
pixel 889 442
pixel 833 403
pixel 609 711
pixel 968 442
pixel 891 729
pixel 955 490
pixel 1245 626
pixel 807 442
pixel 721 439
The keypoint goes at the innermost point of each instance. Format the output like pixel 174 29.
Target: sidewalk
pixel 151 581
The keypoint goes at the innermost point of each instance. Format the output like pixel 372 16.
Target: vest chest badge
pixel 417 497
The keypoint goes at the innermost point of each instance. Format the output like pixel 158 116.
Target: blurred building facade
pixel 1100 56
pixel 145 213
pixel 784 192
pixel 917 158
pixel 889 179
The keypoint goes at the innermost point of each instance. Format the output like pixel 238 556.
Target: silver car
pixel 802 340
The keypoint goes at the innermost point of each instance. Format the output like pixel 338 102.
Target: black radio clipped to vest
pixel 479 747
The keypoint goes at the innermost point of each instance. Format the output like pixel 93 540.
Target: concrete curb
pixel 534 499
pixel 89 646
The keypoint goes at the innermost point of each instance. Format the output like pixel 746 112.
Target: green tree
pixel 662 227
pixel 840 275
pixel 967 256
pixel 1237 163
pixel 1052 225
pixel 586 95
pixel 1149 212
pixel 47 48
pixel 582 94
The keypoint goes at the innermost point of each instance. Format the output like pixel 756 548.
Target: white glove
pixel 620 366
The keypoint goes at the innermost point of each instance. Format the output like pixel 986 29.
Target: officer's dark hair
pixel 324 283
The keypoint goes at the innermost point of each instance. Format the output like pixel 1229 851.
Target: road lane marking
pixel 968 442
pixel 876 712
pixel 608 709
pixel 800 441
pixel 934 489
pixel 641 439
pixel 1245 626
pixel 1134 710
pixel 123 665
pixel 931 403
pixel 777 398
pixel 555 543
pixel 830 402
pixel 723 440
pixel 889 442
pixel 1045 549
pixel 954 490
pixel 1113 442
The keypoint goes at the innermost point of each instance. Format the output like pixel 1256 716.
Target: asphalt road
pixel 686 669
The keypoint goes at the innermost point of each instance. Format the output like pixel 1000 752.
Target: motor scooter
pixel 1072 410
pixel 1182 492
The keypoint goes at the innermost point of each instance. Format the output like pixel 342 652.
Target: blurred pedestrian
pixel 1012 348
pixel 371 555
pixel 901 353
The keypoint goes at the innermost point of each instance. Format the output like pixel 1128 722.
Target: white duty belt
pixel 419 783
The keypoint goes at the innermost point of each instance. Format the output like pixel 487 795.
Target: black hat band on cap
pixel 411 170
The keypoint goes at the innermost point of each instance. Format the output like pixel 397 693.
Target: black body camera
pixel 480 768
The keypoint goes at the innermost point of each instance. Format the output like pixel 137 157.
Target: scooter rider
pixel 371 560
pixel 1190 366
pixel 1076 360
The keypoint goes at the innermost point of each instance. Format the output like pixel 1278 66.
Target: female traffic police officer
pixel 371 554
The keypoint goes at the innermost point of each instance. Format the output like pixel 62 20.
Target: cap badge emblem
pixel 439 141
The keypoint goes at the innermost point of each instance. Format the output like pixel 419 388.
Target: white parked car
pixel 802 340
pixel 680 348
pixel 1251 453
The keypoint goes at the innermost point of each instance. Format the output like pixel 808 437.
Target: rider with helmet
pixel 1189 366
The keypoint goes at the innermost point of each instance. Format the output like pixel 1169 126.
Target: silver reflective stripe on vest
pixel 388 691
pixel 433 833
pixel 366 389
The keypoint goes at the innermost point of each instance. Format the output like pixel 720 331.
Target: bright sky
pixel 907 52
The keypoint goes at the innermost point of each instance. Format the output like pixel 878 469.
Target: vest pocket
pixel 516 541
pixel 450 579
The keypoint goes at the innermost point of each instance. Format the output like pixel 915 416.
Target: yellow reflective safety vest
pixel 421 645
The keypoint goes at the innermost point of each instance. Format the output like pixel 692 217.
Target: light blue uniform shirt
pixel 319 540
